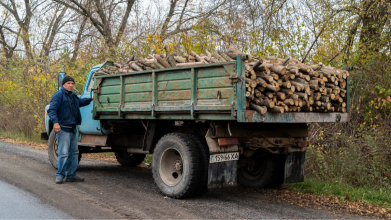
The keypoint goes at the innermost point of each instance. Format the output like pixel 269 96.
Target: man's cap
pixel 67 79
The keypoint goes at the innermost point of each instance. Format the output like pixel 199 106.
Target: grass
pixel 380 197
pixel 22 137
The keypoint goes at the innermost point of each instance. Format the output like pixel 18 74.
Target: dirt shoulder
pixel 110 176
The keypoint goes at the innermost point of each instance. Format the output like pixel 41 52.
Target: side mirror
pixel 61 76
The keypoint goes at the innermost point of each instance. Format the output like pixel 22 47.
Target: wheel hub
pixel 178 166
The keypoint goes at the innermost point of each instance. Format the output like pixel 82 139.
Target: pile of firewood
pixel 162 61
pixel 272 84
pixel 287 85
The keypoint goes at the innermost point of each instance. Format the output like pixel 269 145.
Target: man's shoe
pixel 59 180
pixel 75 179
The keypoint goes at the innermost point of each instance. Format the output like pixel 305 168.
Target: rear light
pixel 228 141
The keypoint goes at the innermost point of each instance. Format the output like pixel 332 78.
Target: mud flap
pixel 222 174
pixel 294 167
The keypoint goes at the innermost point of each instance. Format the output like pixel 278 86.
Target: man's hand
pixel 56 127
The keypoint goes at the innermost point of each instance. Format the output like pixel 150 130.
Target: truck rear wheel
pixel 176 166
pixel 53 149
pixel 129 160
pixel 200 141
pixel 260 175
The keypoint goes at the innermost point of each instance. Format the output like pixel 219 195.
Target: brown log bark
pixel 260 109
pixel 264 102
pixel 189 64
pixel 162 61
pixel 276 109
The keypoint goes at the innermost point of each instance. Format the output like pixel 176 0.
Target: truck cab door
pixel 88 124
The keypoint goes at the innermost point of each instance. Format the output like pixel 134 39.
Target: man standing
pixel 65 114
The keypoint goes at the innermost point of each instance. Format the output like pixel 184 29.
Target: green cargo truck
pixel 195 123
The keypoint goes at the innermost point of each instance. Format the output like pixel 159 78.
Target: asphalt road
pixel 114 192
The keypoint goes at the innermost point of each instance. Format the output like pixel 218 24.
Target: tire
pixel 129 160
pixel 262 175
pixel 53 150
pixel 176 166
pixel 200 141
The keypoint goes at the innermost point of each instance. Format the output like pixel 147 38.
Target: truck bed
pixel 203 92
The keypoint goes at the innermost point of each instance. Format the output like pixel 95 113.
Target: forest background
pixel 39 38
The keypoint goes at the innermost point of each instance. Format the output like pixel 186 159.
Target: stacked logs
pixel 287 85
pixel 155 61
pixel 272 84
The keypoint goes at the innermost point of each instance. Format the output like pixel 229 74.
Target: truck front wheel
pixel 259 174
pixel 129 160
pixel 177 166
pixel 53 149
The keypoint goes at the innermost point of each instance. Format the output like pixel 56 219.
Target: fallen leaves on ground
pixel 331 203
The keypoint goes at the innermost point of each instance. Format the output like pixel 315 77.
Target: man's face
pixel 69 86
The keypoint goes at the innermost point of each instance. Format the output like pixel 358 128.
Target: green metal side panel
pixel 202 92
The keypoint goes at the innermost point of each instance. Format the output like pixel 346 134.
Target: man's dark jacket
pixel 65 108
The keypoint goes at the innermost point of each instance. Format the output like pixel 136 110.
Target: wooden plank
pixel 141 87
pixel 174 95
pixel 217 93
pixel 173 75
pixel 215 71
pixel 175 103
pixel 138 97
pixel 108 90
pixel 174 85
pixel 136 79
pixel 111 82
pixel 216 82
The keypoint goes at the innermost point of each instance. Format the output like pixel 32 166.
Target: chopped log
pixel 263 67
pixel 229 56
pixel 258 93
pixel 306 109
pixel 269 94
pixel 294 96
pixel 278 69
pixel 281 96
pixel 302 95
pixel 171 60
pixel 196 56
pixel 157 64
pixel 266 77
pixel 272 88
pixel 286 85
pixel 189 64
pixel 260 109
pixel 264 102
pixel 299 86
pixel 275 76
pixel 162 61
pixel 261 82
pixel 216 55
pixel 180 59
pixel 134 66
pixel 289 102
pixel 251 82
pixel 276 109
pixel 287 91
pixel 304 68
pixel 257 64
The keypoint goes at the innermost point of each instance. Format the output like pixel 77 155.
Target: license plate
pixel 216 158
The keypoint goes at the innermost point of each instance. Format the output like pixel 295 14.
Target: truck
pixel 194 122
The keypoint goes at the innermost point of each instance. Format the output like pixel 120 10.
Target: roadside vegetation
pixel 39 38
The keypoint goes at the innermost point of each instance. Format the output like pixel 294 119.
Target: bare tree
pixel 100 14
pixel 52 30
pixel 6 45
pixel 23 20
